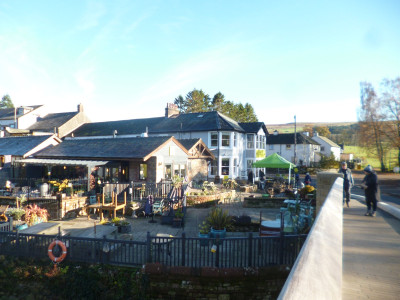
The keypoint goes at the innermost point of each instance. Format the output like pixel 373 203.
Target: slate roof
pixel 47 123
pixel 6 113
pixel 288 139
pixel 206 121
pixel 253 127
pixel 18 146
pixel 328 141
pixel 104 148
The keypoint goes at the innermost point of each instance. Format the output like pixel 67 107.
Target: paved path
pixel 371 254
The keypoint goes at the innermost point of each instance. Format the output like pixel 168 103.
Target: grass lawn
pixel 370 159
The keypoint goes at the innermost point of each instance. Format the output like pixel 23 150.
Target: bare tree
pixel 372 123
pixel 391 101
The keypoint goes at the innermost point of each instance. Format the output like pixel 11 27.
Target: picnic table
pixel 113 207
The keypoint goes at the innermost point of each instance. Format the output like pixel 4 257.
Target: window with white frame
pixel 225 166
pixel 260 142
pixel 214 139
pixel 250 141
pixel 234 139
pixel 288 146
pixel 214 167
pixel 226 139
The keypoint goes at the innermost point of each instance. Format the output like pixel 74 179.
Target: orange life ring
pixel 63 248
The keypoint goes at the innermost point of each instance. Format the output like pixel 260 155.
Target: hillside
pixel 289 127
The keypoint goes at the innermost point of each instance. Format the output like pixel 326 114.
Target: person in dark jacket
pixel 371 187
pixel 250 177
pixel 348 183
pixel 307 179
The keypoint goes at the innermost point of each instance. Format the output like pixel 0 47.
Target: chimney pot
pixel 171 109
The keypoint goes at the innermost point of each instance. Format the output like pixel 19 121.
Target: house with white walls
pixel 302 150
pixel 20 117
pixel 235 145
pixel 328 147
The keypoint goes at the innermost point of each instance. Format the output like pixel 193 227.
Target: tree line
pixel 198 101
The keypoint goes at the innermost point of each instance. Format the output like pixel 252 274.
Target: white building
pixel 327 146
pixel 302 151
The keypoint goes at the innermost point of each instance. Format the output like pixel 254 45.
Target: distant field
pixel 289 128
pixel 369 159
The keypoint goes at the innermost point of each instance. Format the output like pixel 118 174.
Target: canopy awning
pixel 274 161
pixel 64 162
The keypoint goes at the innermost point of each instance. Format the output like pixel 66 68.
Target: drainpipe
pixel 218 140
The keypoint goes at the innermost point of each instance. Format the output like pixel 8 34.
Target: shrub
pixel 219 219
pixel 16 213
pixel 204 228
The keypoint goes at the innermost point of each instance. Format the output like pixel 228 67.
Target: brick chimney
pixel 171 109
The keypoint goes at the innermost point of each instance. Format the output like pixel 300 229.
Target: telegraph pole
pixel 295 140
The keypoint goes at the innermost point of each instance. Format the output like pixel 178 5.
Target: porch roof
pixel 45 161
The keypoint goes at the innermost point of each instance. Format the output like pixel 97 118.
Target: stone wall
pixel 200 199
pixel 325 182
pixel 212 283
pixel 198 170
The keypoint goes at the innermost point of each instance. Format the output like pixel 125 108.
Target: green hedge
pixel 27 279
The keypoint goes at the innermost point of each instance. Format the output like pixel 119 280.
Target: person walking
pixel 371 187
pixel 348 182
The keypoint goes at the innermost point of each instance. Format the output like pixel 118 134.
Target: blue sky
pixel 127 59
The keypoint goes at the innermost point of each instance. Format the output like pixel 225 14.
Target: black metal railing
pixel 41 188
pixel 238 252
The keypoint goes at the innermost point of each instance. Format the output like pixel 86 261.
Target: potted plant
pixel 177 181
pixel 123 225
pixel 305 191
pixel 204 233
pixel 17 214
pixel 34 214
pixel 178 218
pixel 115 221
pixel 218 220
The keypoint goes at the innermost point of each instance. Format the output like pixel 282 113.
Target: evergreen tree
pixel 198 101
pixel 218 101
pixel 6 102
